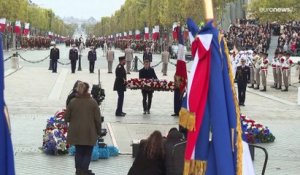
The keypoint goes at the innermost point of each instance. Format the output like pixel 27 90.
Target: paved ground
pixel 33 94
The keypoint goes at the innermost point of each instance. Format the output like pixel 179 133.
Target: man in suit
pixel 73 56
pixel 147 55
pixel 120 85
pixel 110 56
pixel 242 77
pixel 54 56
pixel 147 73
pixel 129 57
pixel 92 57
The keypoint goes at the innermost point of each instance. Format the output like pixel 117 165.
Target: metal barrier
pixel 252 152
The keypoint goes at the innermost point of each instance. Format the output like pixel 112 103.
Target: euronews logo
pixel 276 10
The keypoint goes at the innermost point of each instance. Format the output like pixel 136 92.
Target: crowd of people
pixel 36 42
pixel 289 39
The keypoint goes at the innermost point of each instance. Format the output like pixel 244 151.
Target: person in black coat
pixel 242 77
pixel 120 85
pixel 92 57
pixel 147 73
pixel 73 57
pixel 54 56
pixel 147 55
pixel 150 157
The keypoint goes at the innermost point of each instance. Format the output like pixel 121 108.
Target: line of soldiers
pixel 35 42
pixel 258 64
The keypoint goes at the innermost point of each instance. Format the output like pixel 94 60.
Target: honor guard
pixel 92 57
pixel 129 58
pixel 274 69
pixel 287 63
pixel 264 71
pixel 165 55
pixel 120 85
pixel 54 56
pixel 73 57
pixel 257 70
pixel 252 67
pixel 279 70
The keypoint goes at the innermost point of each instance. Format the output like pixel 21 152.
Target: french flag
pixel 18 27
pixel 174 32
pixel 137 35
pixel 26 29
pixel 146 33
pixel 2 24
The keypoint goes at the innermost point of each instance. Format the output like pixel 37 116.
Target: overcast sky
pixel 82 9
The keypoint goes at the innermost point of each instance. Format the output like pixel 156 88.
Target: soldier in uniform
pixel 147 73
pixel 73 57
pixel 264 71
pixel 54 56
pixel 274 64
pixel 147 55
pixel 242 77
pixel 129 58
pixel 110 56
pixel 92 57
pixel 286 71
pixel 257 70
pixel 165 60
pixel 279 70
pixel 120 85
pixel 252 62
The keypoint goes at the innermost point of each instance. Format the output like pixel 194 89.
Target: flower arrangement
pixel 150 84
pixel 55 134
pixel 254 132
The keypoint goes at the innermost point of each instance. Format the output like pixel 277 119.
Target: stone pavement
pixel 33 94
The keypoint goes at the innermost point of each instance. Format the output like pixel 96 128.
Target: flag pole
pixel 209 12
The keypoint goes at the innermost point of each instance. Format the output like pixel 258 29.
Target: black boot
pixel 264 89
pixel 286 89
pixel 274 86
pixel 257 87
pixel 252 86
pixel 279 88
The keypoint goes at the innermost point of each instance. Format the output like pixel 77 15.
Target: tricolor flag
pixel 210 108
pixel 2 24
pixel 156 32
pixel 18 27
pixel 6 149
pixel 174 32
pixel 137 35
pixel 146 33
pixel 50 34
pixel 130 34
pixel 26 29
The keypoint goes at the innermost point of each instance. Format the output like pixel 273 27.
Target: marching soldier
pixel 73 57
pixel 242 77
pixel 54 56
pixel 110 56
pixel 274 69
pixel 257 71
pixel 120 86
pixel 129 58
pixel 165 59
pixel 92 57
pixel 264 71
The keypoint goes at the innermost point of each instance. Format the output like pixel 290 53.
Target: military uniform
pixel 54 56
pixel 165 59
pixel 274 70
pixel 257 71
pixel 252 71
pixel 147 55
pixel 110 56
pixel 242 77
pixel 92 57
pixel 286 72
pixel 73 57
pixel 120 87
pixel 129 58
pixel 279 72
pixel 264 73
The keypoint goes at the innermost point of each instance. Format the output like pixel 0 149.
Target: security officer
pixel 92 57
pixel 242 77
pixel 147 73
pixel 120 85
pixel 54 56
pixel 147 55
pixel 73 57
pixel 129 58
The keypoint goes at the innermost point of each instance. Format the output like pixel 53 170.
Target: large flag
pixel 130 34
pixel 6 150
pixel 2 24
pixel 210 111
pixel 181 72
pixel 146 33
pixel 26 29
pixel 18 27
pixel 137 35
pixel 174 32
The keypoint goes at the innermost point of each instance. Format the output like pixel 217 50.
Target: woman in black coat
pixel 150 158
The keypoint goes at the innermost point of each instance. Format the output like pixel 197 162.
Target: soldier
pixel 54 56
pixel 279 70
pixel 257 71
pixel 129 58
pixel 264 71
pixel 290 63
pixel 120 85
pixel 252 63
pixel 73 57
pixel 242 77
pixel 147 55
pixel 147 73
pixel 274 64
pixel 286 71
pixel 110 56
pixel 165 59
pixel 92 57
